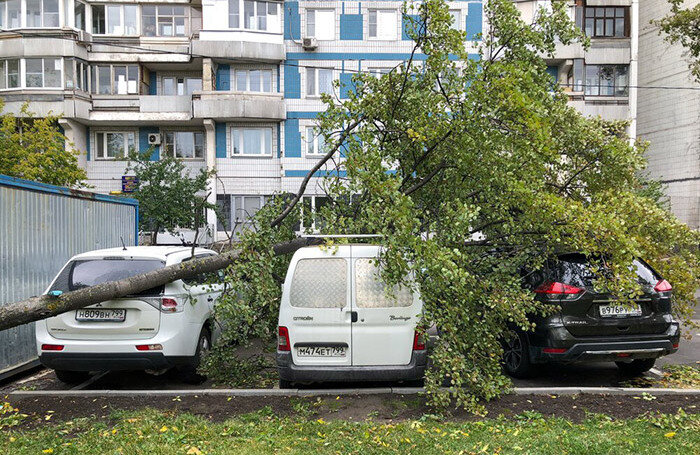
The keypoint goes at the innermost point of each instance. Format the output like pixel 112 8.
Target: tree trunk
pixel 44 306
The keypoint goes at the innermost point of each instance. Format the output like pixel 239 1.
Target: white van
pixel 336 322
pixel 167 326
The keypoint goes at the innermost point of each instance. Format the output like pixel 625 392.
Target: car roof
pixel 155 252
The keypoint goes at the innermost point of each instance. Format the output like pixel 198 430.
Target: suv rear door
pixel 317 314
pixel 385 327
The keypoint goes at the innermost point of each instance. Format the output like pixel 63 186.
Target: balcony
pixel 236 105
pixel 236 44
pixel 152 108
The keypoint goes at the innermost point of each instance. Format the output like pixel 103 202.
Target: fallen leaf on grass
pixel 670 434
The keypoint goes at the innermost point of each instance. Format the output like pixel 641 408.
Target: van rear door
pixel 316 307
pixel 385 327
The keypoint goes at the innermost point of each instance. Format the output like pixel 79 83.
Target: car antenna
pixel 123 244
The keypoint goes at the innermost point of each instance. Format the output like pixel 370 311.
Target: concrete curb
pixel 336 392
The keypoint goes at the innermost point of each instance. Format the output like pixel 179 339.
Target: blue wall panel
pixel 474 20
pixel 144 131
pixel 346 85
pixel 223 77
pixel 351 26
pixel 292 139
pixel 292 80
pixel 409 23
pixel 153 84
pixel 220 139
pixel 292 20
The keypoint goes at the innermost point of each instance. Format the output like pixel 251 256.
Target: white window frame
pixel 20 17
pixel 312 214
pixel 313 13
pixel 5 75
pixel 273 22
pixel 459 19
pixel 316 92
pixel 158 15
pixel 379 36
pixel 85 13
pixel 177 82
pixel 234 80
pixel 194 157
pixel 238 132
pixel 104 134
pixel 122 16
pixel 41 15
pixel 23 74
pixel 114 91
pixel 315 142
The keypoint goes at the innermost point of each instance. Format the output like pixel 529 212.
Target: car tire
pixel 72 377
pixel 284 384
pixel 189 373
pixel 635 367
pixel 516 355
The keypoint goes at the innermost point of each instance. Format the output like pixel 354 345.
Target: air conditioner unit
pixel 309 43
pixel 154 139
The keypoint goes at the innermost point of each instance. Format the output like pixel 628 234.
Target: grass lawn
pixel 157 432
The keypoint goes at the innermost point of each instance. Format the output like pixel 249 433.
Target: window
pixel 311 207
pixel 456 19
pixel 42 13
pixel 115 79
pixel 371 290
pixel 263 16
pixel 223 215
pixel 315 142
pixel 114 144
pixel 253 80
pixel 379 72
pixel 79 16
pixel 9 73
pixel 251 141
pixel 319 283
pixel 236 212
pixel 606 80
pixel 383 24
pixel 320 23
pixel 181 85
pixel 607 22
pixel 43 72
pixel 10 14
pixel 163 20
pixel 318 81
pixel 184 144
pixel 117 20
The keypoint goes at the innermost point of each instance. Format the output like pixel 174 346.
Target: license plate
pixel 100 315
pixel 322 351
pixel 620 310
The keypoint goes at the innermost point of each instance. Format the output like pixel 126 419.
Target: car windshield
pixel 91 272
pixel 575 270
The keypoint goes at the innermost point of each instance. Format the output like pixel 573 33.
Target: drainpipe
pixel 634 71
pixel 210 138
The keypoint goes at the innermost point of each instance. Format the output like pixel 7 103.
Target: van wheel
pixel 636 367
pixel 72 377
pixel 516 355
pixel 189 372
pixel 284 384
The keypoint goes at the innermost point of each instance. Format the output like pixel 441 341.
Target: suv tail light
pixel 283 339
pixel 558 288
pixel 52 347
pixel 418 342
pixel 170 305
pixel 663 286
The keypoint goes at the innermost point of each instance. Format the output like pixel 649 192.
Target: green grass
pixel 154 432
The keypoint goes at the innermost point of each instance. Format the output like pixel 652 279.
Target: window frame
pixel 177 85
pixel 42 14
pixel 317 139
pixel 241 16
pixel 626 25
pixel 104 148
pixel 317 92
pixel 234 79
pixel 4 23
pixel 23 73
pixel 81 73
pixel 376 12
pixel 194 156
pixel 122 18
pixel 157 15
pixel 95 80
pixel 313 12
pixel 268 150
pixel 5 74
pixel 232 200
pixel 587 91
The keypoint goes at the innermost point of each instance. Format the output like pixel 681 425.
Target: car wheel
pixel 516 355
pixel 189 372
pixel 284 384
pixel 636 367
pixel 72 377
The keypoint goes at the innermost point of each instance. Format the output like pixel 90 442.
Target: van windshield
pixel 91 272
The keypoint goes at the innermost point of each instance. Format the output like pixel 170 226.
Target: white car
pixel 167 326
pixel 337 323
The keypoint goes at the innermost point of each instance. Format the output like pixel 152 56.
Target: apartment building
pixel 669 114
pixel 235 85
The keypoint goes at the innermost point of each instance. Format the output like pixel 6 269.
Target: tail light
pixel 675 346
pixel 663 286
pixel 149 347
pixel 558 288
pixel 553 350
pixel 283 339
pixel 418 342
pixel 52 347
pixel 169 305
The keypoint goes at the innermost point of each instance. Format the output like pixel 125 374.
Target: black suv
pixel 592 326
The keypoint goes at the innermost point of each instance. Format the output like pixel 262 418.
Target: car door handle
pixel 353 316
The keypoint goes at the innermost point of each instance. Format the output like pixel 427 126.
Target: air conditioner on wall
pixel 309 43
pixel 154 139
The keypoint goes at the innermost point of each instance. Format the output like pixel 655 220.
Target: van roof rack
pixel 340 236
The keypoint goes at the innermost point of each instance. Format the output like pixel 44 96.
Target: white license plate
pixel 322 351
pixel 100 315
pixel 620 310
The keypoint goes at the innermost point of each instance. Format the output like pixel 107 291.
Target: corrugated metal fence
pixel 41 227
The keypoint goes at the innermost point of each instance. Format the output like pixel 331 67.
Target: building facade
pixel 669 114
pixel 235 85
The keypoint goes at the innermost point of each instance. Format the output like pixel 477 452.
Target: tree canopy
pixel 473 170
pixel 683 26
pixel 34 148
